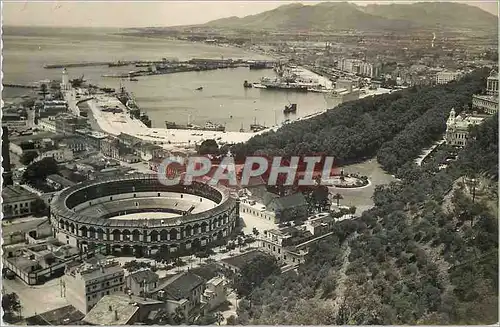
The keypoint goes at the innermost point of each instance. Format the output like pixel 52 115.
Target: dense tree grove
pixel 359 129
pixel 427 253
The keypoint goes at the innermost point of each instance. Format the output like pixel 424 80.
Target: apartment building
pixel 85 284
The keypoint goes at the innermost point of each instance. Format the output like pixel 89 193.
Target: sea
pixel 171 97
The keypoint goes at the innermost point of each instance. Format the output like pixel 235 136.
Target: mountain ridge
pixel 330 16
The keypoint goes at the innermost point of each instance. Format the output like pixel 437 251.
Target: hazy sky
pixel 139 14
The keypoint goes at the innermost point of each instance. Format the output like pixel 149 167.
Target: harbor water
pixel 172 97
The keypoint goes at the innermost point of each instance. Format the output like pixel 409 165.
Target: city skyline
pixel 171 13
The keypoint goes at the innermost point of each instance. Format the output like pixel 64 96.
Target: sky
pixel 117 13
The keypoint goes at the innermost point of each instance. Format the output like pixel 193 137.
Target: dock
pixel 221 63
pixel 21 86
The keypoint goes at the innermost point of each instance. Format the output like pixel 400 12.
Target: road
pixel 36 299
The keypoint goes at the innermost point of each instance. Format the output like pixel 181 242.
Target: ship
pixel 257 127
pixel 209 126
pixel 117 64
pixel 292 108
pixel 258 65
pixel 287 79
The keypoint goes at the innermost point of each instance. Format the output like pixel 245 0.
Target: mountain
pixel 331 16
pixel 437 14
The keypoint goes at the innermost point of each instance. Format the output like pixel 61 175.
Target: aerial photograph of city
pixel 250 163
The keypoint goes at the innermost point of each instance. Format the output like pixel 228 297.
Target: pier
pixel 200 62
pixel 22 86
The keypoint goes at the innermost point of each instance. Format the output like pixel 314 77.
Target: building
pixel 80 214
pixel 182 291
pixel 215 293
pixel 59 155
pixel 92 138
pixel 6 173
pixel 492 84
pixel 458 128
pixel 488 102
pixel 86 283
pixel 444 77
pixel 47 124
pixel 120 309
pixel 236 263
pixel 141 282
pixel 17 201
pixel 67 315
pixel 290 245
pixel 67 124
pixel 275 208
pixel 58 182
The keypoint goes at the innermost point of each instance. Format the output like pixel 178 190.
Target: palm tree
pixel 337 197
pixel 219 318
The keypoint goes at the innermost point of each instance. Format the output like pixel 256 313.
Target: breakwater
pixel 22 86
pixel 148 63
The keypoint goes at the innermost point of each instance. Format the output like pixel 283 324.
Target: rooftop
pixel 144 275
pixel 60 180
pixel 241 260
pixel 112 310
pixel 67 315
pixel 14 193
pixel 179 287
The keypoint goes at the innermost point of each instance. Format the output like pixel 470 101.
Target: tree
pixel 28 157
pixel 39 207
pixel 219 318
pixel 231 320
pixel 38 171
pixel 179 317
pixel 337 197
pixel 11 306
pixel 208 147
pixel 254 273
pixel 43 89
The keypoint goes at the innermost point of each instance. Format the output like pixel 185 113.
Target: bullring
pixel 136 214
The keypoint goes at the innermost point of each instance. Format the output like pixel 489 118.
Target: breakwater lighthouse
pixel 65 80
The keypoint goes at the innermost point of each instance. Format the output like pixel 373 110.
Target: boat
pixel 259 86
pixel 117 64
pixel 199 88
pixel 209 126
pixel 257 127
pixel 257 65
pixel 133 79
pixel 292 108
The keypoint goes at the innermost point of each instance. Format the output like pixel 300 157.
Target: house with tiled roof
pixel 180 292
pixel 141 281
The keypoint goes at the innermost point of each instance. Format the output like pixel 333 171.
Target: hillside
pixel 332 16
pixel 437 14
pixel 415 258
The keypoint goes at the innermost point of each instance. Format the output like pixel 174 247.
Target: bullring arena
pixel 137 215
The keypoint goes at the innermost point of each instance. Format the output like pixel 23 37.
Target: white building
pixel 47 124
pixel 488 102
pixel 17 201
pixel 458 127
pixel 59 155
pixel 444 77
pixel 215 293
pixel 87 283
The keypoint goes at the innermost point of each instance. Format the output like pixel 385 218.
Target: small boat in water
pixel 292 108
pixel 199 88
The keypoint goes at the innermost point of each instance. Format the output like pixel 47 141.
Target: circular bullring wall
pixel 136 214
